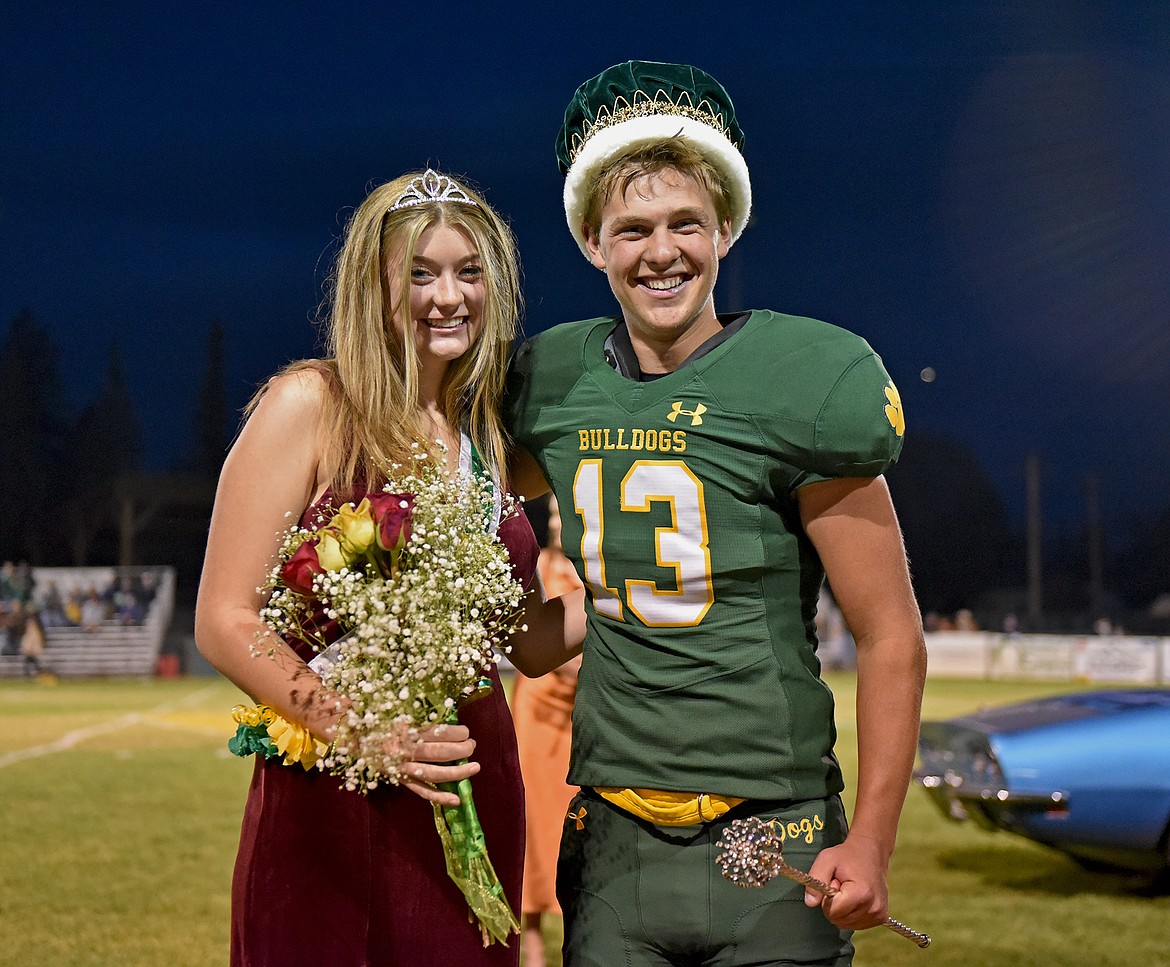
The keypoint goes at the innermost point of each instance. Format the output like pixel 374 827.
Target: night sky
pixel 979 189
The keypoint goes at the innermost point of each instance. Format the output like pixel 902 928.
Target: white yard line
pixel 72 739
pixel 69 740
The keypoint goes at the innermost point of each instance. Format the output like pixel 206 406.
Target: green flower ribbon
pixel 465 851
pixel 252 739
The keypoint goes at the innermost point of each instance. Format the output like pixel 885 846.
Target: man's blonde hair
pixel 674 153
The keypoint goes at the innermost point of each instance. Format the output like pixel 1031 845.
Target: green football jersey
pixel 678 506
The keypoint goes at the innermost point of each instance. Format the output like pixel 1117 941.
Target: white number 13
pixel 681 546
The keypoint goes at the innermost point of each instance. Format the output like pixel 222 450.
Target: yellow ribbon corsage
pixel 261 731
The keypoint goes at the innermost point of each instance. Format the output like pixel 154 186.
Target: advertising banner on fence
pixel 1089 658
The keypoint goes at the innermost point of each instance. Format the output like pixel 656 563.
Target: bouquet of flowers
pixel 423 591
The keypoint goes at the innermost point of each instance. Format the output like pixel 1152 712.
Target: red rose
pixel 298 571
pixel 392 514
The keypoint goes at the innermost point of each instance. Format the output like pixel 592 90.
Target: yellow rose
pixel 355 528
pixel 330 552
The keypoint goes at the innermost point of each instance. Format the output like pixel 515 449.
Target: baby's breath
pixel 416 643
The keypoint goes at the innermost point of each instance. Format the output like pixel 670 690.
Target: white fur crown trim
pixel 619 138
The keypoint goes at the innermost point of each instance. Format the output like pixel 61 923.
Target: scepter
pixel 753 854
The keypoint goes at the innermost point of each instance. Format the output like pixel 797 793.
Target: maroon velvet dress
pixel 331 878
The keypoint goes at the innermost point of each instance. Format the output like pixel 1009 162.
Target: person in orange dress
pixel 542 709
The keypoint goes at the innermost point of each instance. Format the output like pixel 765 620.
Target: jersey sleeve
pixel 541 373
pixel 860 426
pixel 517 406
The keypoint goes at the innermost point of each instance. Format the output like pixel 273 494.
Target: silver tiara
pixel 431 186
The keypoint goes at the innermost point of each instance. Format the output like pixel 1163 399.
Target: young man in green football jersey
pixel 711 471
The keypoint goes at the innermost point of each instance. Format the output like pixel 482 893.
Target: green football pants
pixel 641 895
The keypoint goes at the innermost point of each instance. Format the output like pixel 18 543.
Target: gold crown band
pixel 646 106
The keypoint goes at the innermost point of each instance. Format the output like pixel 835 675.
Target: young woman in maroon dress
pixel 423 310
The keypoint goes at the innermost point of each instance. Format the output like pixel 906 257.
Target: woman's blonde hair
pixel 372 415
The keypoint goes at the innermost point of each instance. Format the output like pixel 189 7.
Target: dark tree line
pixel 954 524
pixel 214 417
pixel 965 553
pixel 60 465
pixel 33 429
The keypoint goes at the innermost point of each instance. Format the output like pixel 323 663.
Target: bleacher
pixel 112 648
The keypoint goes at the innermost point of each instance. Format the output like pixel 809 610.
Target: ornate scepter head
pixel 753 853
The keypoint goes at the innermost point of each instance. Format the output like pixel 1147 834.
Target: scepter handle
pixel 805 879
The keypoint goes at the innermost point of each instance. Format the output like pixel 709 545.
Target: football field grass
pixel 120 811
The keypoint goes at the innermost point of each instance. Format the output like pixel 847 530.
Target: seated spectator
pixel 24 582
pixel 127 604
pixel 52 607
pixel 9 588
pixel 147 589
pixel 106 594
pixel 933 621
pixel 73 607
pixel 93 611
pixel 8 640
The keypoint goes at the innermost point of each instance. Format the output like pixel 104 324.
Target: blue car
pixel 1087 774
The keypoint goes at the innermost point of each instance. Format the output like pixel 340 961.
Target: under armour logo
pixel 579 817
pixel 696 415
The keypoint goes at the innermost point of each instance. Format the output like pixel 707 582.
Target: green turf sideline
pixel 117 847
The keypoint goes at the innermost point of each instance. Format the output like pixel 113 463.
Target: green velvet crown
pixel 639 88
pixel 638 102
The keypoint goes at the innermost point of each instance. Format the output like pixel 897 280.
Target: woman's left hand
pixel 441 754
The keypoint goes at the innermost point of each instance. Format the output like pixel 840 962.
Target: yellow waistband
pixel 669 808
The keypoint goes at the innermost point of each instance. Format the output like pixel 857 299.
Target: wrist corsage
pixel 260 731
